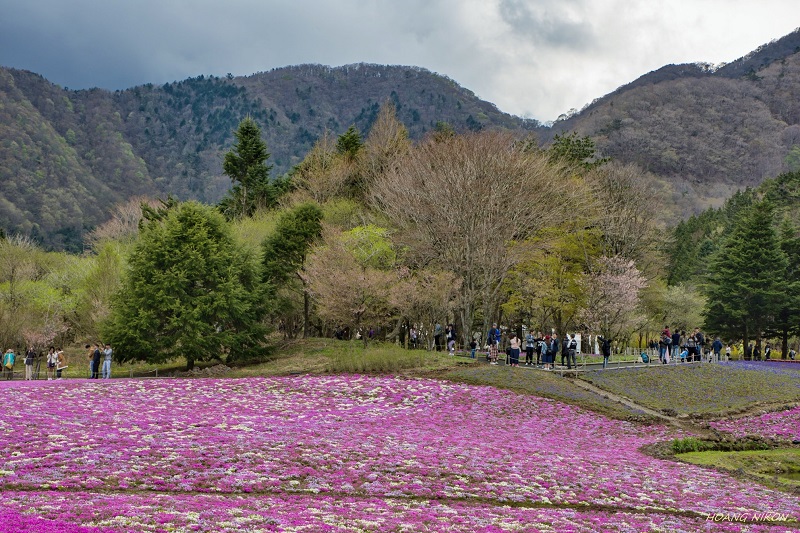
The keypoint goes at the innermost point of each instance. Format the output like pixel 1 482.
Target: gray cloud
pixel 530 57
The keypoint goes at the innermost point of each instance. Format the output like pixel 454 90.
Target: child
pixel 492 353
pixel 684 354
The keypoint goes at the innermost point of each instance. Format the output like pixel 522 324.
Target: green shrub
pixel 691 444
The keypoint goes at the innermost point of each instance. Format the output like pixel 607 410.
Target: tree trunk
pixel 306 312
pixel 189 362
pixel 785 342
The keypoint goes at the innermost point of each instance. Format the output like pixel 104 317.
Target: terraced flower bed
pixel 780 425
pixel 345 453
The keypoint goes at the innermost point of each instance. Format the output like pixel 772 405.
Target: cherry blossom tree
pixel 612 292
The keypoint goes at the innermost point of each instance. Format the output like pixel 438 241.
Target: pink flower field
pixel 784 425
pixel 346 453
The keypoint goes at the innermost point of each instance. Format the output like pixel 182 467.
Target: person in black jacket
pixel 96 361
pixel 605 349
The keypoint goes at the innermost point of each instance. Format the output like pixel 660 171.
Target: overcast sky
pixel 532 58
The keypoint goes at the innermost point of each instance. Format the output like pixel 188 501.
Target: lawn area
pixel 779 467
pixel 702 389
pixel 544 385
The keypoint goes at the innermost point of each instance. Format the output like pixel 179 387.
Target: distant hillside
pixel 707 132
pixel 67 156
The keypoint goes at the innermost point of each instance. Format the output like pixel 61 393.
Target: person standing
pixel 492 353
pixel 605 349
pixel 676 344
pixel 514 342
pixel 716 346
pixel 52 362
pixel 473 348
pixel 665 344
pixel 450 334
pixel 530 344
pixel 565 350
pixel 96 356
pixel 61 363
pixel 30 357
pixel 8 364
pixel 437 337
pixel 494 336
pixel 572 349
pixel 107 353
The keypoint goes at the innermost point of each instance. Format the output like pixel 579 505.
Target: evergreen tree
pixel 285 252
pixel 576 151
pixel 746 282
pixel 349 143
pixel 246 165
pixel 189 292
pixel 787 321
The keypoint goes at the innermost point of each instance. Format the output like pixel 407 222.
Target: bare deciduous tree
pixel 345 291
pixel 459 203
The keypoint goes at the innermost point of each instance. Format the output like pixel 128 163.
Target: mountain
pixel 707 131
pixel 66 157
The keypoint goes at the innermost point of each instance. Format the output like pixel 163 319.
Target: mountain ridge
pixel 66 157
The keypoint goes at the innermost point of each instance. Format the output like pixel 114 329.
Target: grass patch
pixel 699 389
pixel 547 385
pixel 777 468
pixel 319 356
pixel 382 359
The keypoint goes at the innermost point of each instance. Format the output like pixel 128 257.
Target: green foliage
pixel 576 151
pixel 746 286
pixel 690 444
pixel 371 247
pixel 349 143
pixel 189 292
pixel 246 165
pixel 286 249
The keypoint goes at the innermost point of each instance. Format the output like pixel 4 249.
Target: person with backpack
pixel 8 364
pixel 572 349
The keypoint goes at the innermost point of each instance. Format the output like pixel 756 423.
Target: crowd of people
pixel 56 362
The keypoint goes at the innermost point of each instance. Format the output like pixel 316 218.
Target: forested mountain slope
pixel 707 131
pixel 67 156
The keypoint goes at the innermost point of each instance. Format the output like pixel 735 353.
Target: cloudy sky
pixel 533 58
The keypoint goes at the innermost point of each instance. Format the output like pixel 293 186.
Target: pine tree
pixel 189 292
pixel 746 282
pixel 246 165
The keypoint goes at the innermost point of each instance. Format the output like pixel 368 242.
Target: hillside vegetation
pixel 66 157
